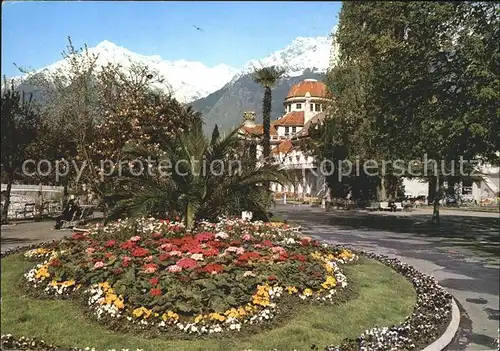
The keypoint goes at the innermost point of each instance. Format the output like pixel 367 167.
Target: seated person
pixel 67 214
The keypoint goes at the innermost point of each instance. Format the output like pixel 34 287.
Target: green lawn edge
pixel 385 298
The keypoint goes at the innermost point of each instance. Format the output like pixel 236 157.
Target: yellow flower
pixel 307 292
pixel 291 289
pixel 119 303
pixel 198 318
pixel 141 311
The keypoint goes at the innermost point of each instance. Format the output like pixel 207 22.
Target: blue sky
pixel 34 33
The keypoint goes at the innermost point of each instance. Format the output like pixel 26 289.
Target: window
pixel 312 107
pixel 317 107
pixel 287 130
pixel 294 130
pixel 289 108
pixel 298 106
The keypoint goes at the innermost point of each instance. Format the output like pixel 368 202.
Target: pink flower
pixel 278 249
pixel 166 246
pixel 174 268
pixel 247 237
pixel 240 250
pixel 135 238
pixel 98 264
pixel 150 268
pixel 90 250
pixel 148 259
pixel 175 253
pixel 232 249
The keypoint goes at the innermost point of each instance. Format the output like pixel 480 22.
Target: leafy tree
pixel 20 123
pixel 415 79
pixel 267 77
pixel 204 179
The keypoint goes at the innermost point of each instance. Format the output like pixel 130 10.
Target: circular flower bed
pixel 152 274
pixel 281 266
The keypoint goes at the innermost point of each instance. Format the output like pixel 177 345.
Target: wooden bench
pixel 29 209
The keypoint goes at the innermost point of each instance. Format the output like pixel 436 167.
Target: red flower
pixel 125 261
pixel 235 243
pixel 108 254
pixel 140 252
pixel 156 235
pixel 213 268
pixel 300 258
pixel 55 263
pixel 211 252
pixel 164 257
pixel 305 241
pixel 272 278
pixel 154 281
pixel 110 243
pixel 78 236
pixel 150 268
pixel 128 245
pixel 177 218
pixel 248 256
pixel 205 236
pixel 155 292
pixel 187 263
pixel 267 243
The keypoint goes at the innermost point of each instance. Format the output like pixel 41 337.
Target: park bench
pixel 28 210
pixel 384 206
pixel 374 206
pixel 399 206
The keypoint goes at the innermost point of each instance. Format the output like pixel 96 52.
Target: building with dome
pixel 304 106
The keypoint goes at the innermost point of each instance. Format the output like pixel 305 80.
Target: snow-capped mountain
pixel 187 80
pixel 190 81
pixel 303 53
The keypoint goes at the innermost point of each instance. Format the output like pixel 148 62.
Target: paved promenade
pixel 462 253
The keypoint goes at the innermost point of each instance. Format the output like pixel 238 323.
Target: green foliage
pixel 206 179
pixel 20 127
pixel 412 79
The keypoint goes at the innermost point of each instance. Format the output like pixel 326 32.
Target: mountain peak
pixel 106 44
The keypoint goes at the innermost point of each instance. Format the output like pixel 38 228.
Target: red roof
pixel 258 130
pixel 283 147
pixel 294 118
pixel 313 87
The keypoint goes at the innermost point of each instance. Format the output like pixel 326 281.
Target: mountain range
pixel 222 93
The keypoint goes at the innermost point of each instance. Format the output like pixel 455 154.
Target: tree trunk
pixel 10 180
pixel 382 193
pixel 437 197
pixel 266 121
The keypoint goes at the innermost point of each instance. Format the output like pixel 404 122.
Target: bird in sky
pixel 198 28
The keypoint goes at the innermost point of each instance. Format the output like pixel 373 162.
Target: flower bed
pixel 431 315
pixel 149 274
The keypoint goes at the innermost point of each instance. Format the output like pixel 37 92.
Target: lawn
pixel 384 298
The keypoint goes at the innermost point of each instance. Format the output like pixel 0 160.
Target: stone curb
pixel 448 335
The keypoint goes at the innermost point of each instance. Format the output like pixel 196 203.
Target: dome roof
pixel 311 86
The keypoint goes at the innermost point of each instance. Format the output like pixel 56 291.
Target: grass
pixel 385 298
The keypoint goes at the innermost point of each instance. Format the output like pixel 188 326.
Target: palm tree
pixel 267 78
pixel 207 179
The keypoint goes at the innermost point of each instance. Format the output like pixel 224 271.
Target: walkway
pixel 463 254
